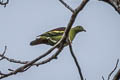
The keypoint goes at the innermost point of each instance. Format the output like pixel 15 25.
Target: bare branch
pixel 2 73
pixel 2 55
pixel 4 3
pixel 67 6
pixel 13 60
pixel 114 3
pixel 117 75
pixel 113 70
pixel 54 56
pixel 75 60
pixel 103 78
pixel 28 65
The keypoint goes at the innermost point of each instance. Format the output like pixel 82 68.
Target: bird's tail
pixel 38 41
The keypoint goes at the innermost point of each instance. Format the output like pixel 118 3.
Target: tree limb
pixel 28 65
pixel 114 3
pixel 113 70
pixel 117 75
pixel 103 78
pixel 2 55
pixel 75 60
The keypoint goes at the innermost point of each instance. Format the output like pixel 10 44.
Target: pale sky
pixel 97 49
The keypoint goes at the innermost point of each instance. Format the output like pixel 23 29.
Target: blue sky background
pixel 97 49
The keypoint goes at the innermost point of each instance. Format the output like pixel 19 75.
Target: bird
pixel 53 36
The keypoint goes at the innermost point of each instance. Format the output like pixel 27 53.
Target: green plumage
pixel 53 36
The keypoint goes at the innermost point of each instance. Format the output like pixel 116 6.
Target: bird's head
pixel 79 29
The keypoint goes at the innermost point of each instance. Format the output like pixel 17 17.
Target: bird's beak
pixel 84 30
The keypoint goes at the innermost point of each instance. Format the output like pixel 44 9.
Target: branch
pixel 54 56
pixel 28 65
pixel 113 70
pixel 25 62
pixel 75 60
pixel 114 3
pixel 67 6
pixel 1 55
pixel 9 59
pixel 103 78
pixel 4 3
pixel 117 75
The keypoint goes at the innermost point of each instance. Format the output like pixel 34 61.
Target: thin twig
pixel 113 70
pixel 103 78
pixel 2 55
pixel 67 6
pixel 117 75
pixel 75 60
pixel 12 60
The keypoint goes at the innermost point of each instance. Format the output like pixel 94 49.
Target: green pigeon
pixel 53 36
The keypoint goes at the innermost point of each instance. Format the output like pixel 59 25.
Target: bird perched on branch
pixel 53 36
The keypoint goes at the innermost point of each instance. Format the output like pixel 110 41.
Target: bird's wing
pixel 55 32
